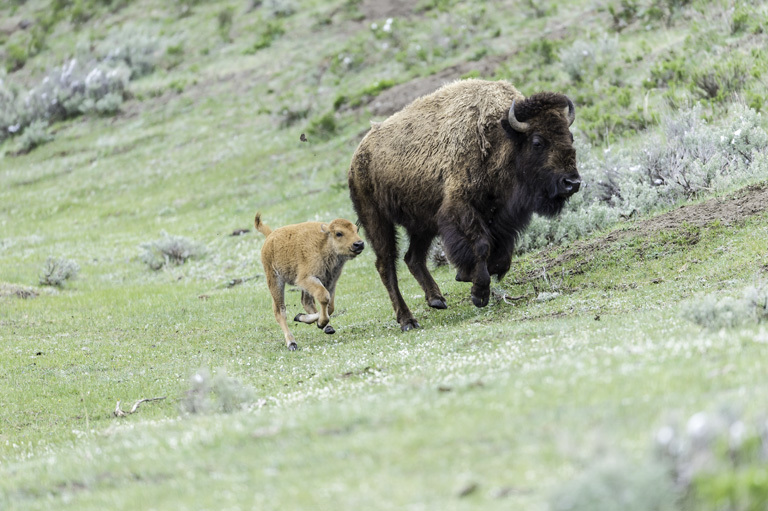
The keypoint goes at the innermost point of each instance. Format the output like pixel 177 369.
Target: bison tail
pixel 261 226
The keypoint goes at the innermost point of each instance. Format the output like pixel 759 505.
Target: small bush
pixel 585 59
pixel 279 8
pixel 224 23
pixel 58 270
pixel 268 33
pixel 215 394
pixel 138 50
pixel 15 57
pixel 35 135
pixel 714 312
pixel 170 250
pixel 323 127
pixel 613 484
pixel 718 460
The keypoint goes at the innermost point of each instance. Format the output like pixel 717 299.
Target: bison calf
pixel 310 256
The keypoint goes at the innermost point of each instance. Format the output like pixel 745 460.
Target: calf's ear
pixel 324 228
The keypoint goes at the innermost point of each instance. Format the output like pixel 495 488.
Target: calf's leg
pixel 317 290
pixel 309 305
pixel 277 290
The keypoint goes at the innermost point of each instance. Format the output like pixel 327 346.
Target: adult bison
pixel 471 162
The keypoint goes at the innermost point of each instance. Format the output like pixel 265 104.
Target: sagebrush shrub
pixel 583 58
pixel 170 250
pixel 715 312
pixel 717 460
pixel 57 271
pixel 93 82
pixel 35 135
pixel 215 394
pixel 615 484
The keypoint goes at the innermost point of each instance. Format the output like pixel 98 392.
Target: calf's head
pixel 544 159
pixel 343 237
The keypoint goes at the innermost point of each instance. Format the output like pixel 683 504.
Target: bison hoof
pixel 329 330
pixel 463 277
pixel 409 324
pixel 480 301
pixel 292 346
pixel 438 303
pixel 298 317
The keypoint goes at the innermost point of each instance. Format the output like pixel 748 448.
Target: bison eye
pixel 537 142
pixel 339 234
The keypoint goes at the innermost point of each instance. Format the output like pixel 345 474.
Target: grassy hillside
pixel 623 358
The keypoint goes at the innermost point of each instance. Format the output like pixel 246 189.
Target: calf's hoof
pixel 438 303
pixel 297 318
pixel 409 324
pixel 329 329
pixel 292 346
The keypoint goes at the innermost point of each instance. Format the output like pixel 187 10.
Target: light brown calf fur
pixel 310 256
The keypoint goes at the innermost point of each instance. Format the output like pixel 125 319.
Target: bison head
pixel 544 159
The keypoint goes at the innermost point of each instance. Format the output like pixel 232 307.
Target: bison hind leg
pixel 380 232
pixel 416 260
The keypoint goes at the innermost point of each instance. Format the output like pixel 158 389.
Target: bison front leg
pixel 499 262
pixel 466 243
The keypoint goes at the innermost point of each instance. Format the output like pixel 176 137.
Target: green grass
pixel 490 408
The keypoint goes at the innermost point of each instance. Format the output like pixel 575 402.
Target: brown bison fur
pixel 464 164
pixel 310 256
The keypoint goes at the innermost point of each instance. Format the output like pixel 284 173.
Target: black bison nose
pixel 569 185
pixel 358 247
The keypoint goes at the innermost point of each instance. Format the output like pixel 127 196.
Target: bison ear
pixel 324 228
pixel 571 112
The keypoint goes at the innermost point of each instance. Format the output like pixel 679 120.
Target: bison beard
pixel 471 163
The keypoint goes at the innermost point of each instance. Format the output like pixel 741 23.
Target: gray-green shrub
pixel 615 484
pixel 89 83
pixel 35 135
pixel 215 394
pixel 584 59
pixel 714 312
pixel 57 271
pixel 170 249
pixel 718 461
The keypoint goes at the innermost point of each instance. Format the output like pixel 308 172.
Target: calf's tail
pixel 261 226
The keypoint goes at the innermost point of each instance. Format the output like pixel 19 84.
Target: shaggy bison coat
pixel 310 256
pixel 471 163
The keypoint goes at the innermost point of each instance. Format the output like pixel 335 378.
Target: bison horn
pixel 516 125
pixel 570 111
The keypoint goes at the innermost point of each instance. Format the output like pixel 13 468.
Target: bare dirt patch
pixel 378 9
pixel 16 291
pixel 728 210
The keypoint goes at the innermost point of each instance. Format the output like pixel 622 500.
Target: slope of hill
pixel 138 139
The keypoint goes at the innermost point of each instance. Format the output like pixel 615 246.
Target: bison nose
pixel 570 185
pixel 358 247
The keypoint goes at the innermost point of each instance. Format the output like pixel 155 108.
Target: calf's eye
pixel 339 234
